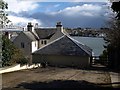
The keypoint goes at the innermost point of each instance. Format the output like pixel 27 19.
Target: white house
pixel 46 35
pixel 60 31
pixel 27 42
pixel 49 44
pixel 34 38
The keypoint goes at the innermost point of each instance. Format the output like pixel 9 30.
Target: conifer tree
pixel 10 54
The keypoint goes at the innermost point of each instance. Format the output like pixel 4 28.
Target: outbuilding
pixel 64 51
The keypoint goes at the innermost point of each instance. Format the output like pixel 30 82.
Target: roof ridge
pixel 77 43
pixel 27 33
pixel 35 35
pixel 75 40
pixel 44 27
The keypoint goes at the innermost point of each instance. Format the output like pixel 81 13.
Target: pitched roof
pixel 57 35
pixel 45 33
pixel 83 46
pixel 30 35
pixel 65 45
pixel 13 38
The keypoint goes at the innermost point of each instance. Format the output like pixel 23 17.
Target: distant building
pixel 11 31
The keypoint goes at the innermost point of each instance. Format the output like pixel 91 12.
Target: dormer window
pixel 44 42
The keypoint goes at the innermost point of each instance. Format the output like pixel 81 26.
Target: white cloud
pixel 84 15
pixel 84 10
pixel 57 5
pixel 21 5
pixel 87 14
pixel 22 21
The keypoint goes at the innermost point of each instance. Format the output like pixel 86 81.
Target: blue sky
pixel 72 14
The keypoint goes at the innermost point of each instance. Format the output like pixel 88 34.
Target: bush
pixel 104 58
pixel 22 61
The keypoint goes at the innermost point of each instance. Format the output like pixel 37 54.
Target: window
pixel 45 42
pixel 22 45
pixel 42 42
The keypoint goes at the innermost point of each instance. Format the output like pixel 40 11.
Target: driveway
pixel 53 77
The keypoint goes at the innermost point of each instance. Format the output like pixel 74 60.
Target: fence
pixel 100 60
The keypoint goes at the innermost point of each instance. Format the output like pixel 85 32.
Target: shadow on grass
pixel 58 84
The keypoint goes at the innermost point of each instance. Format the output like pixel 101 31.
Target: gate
pixel 99 60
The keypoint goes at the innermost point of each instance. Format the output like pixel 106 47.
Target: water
pixel 96 44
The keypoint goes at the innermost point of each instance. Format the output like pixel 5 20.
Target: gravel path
pixel 53 77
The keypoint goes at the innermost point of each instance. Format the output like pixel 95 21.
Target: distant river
pixel 96 44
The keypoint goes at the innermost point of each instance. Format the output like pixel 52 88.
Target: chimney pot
pixel 59 24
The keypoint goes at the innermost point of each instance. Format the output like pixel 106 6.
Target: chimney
pixel 30 27
pixel 36 25
pixel 59 26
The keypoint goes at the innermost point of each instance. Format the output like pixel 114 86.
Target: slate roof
pixel 13 38
pixel 65 45
pixel 83 46
pixel 45 33
pixel 30 35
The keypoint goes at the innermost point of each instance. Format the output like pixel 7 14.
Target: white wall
pixel 40 42
pixel 34 46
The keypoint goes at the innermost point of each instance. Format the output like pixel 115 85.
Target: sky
pixel 72 13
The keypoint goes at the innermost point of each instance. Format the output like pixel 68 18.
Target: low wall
pixel 17 67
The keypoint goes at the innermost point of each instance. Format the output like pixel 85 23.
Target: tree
pixel 3 15
pixel 113 38
pixel 10 54
pixel 116 8
pixel 103 58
